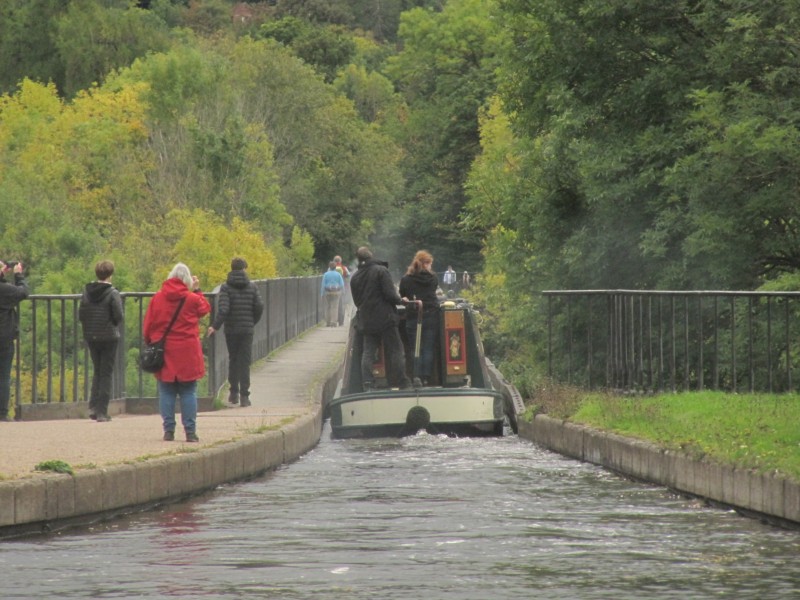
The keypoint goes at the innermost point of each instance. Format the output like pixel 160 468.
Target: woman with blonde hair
pixel 183 354
pixel 420 283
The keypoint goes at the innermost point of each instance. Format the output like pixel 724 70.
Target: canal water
pixel 425 517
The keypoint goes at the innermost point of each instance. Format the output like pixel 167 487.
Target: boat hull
pixel 395 413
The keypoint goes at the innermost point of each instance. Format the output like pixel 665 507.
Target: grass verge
pixel 755 431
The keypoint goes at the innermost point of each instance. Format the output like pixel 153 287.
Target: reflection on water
pixel 423 517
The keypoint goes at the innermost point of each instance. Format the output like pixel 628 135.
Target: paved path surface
pixel 279 388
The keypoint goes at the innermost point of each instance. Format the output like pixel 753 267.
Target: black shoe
pixel 169 436
pixel 93 416
pixel 102 418
pixel 192 437
pixel 245 401
pixel 233 397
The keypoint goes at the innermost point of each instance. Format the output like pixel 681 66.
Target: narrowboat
pixel 465 396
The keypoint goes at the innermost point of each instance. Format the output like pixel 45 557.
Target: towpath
pixel 279 394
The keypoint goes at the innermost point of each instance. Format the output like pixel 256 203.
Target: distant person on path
pixel 11 294
pixel 331 289
pixel 376 301
pixel 239 308
pixel 100 313
pixel 344 302
pixel 420 283
pixel 183 354
pixel 449 278
pixel 466 281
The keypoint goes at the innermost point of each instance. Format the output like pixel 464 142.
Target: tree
pixel 93 39
pixel 445 73
pixel 636 97
pixel 27 43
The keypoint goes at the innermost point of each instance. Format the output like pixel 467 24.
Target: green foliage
pixel 445 72
pixel 207 244
pixel 638 145
pixel 327 48
pixel 27 43
pixel 673 130
pixel 95 38
pixel 372 94
pixel 56 466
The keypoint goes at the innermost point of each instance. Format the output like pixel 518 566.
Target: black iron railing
pixel 52 362
pixel 674 340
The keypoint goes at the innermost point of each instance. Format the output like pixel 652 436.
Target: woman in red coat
pixel 183 354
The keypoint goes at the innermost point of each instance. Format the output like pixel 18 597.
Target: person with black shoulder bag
pixel 177 309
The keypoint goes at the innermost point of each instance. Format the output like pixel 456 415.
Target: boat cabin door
pixel 454 347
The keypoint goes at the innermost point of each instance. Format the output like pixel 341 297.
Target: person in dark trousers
pixel 11 294
pixel 376 301
pixel 239 308
pixel 420 284
pixel 100 313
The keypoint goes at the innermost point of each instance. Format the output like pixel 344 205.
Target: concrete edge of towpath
pixel 56 501
pixel 762 495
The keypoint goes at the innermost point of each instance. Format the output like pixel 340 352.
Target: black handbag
pixel 151 356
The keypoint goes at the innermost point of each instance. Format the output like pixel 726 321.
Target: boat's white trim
pixel 443 408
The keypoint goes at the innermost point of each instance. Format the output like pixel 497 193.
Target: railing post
pixel 733 342
pixel 701 342
pixel 550 337
pixel 769 344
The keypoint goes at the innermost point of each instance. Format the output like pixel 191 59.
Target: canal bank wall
pixel 50 502
pixel 762 495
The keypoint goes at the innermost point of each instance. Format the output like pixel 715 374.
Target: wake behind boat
pixel 465 396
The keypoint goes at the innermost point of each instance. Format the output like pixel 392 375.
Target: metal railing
pixel 674 340
pixel 52 363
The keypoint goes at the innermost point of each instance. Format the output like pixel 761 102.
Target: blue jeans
pixel 6 362
pixel 168 392
pixel 430 326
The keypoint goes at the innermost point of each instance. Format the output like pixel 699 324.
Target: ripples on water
pixel 424 517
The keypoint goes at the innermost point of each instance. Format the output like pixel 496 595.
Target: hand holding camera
pixel 11 265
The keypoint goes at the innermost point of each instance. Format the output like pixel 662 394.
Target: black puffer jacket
pixel 375 297
pixel 11 294
pixel 239 305
pixel 100 312
pixel 420 286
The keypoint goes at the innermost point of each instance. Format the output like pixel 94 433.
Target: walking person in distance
pixel 100 313
pixel 239 308
pixel 332 288
pixel 179 297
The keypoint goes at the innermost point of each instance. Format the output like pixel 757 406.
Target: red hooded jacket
pixel 183 353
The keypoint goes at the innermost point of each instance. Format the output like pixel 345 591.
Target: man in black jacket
pixel 100 313
pixel 376 299
pixel 239 308
pixel 11 294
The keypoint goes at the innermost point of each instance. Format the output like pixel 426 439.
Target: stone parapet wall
pixel 774 498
